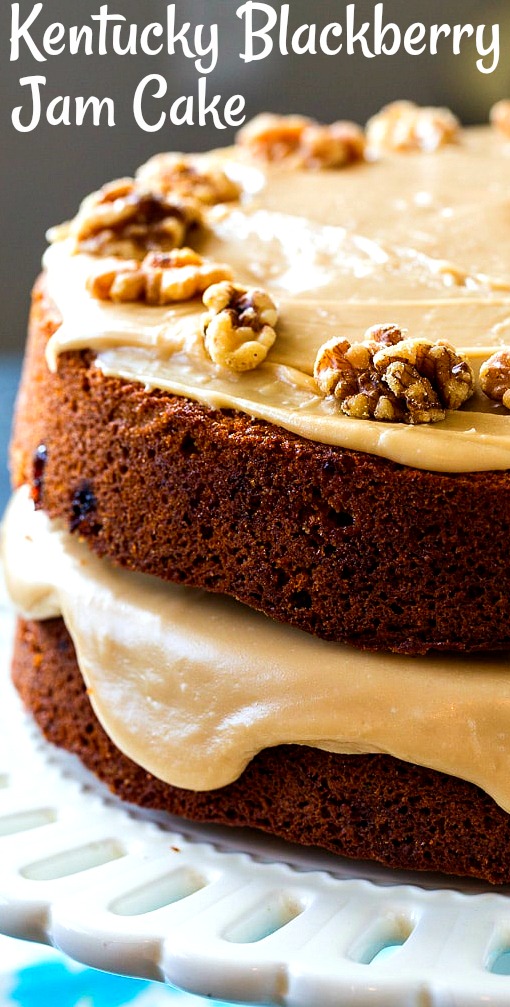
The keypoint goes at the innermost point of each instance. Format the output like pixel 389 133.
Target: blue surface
pixel 9 376
pixel 36 976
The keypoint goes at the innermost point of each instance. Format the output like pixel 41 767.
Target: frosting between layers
pixel 191 686
pixel 406 240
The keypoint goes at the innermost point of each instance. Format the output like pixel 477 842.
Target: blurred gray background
pixel 45 173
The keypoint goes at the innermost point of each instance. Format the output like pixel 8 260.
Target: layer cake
pixel 261 460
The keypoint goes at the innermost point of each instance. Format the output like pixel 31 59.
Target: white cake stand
pixel 226 914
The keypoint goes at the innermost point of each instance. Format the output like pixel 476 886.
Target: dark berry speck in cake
pixel 38 467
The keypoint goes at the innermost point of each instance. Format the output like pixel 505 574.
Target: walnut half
pixel 127 219
pixel 500 116
pixel 189 177
pixel 162 278
pixel 402 126
pixel 495 377
pixel 302 142
pixel 239 326
pixel 391 378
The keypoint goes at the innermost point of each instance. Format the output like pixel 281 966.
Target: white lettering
pixel 380 33
pixel 284 28
pixel 234 107
pixel 204 110
pixel 187 117
pixel 131 43
pixel 160 92
pixel 359 36
pixel 75 38
pixel 104 17
pixel 333 29
pixel 246 11
pixel 52 36
pixel 414 34
pixel 435 31
pixel 202 50
pixel 151 29
pixel 35 83
pixel 62 118
pixel 82 105
pixel 458 31
pixel 58 112
pixel 21 32
pixel 493 48
pixel 309 31
pixel 180 36
pixel 187 110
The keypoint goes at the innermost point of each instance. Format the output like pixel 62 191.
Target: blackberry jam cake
pixel 260 460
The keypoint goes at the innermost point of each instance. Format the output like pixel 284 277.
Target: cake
pixel 261 462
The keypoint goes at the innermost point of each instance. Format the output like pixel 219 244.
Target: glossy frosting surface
pixel 421 240
pixel 190 686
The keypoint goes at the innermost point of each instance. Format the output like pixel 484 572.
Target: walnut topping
pixel 402 125
pixel 495 377
pixel 332 146
pixel 273 137
pixel 128 220
pixel 239 326
pixel 162 278
pixel 189 178
pixel 303 142
pixel 500 116
pixel 391 378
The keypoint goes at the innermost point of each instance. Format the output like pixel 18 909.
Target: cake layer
pixel 192 686
pixel 346 545
pixel 372 806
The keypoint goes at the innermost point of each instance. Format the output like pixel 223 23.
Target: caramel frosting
pixel 420 240
pixel 191 686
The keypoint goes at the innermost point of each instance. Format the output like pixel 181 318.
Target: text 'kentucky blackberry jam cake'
pixel 259 537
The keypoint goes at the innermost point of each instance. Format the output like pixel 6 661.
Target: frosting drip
pixel 397 241
pixel 191 686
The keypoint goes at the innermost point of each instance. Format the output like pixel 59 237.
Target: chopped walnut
pixel 332 146
pixel 450 374
pixel 273 137
pixel 162 278
pixel 189 178
pixel 495 377
pixel 303 142
pixel 394 379
pixel 239 326
pixel 128 220
pixel 125 282
pixel 402 125
pixel 500 116
pixel 383 334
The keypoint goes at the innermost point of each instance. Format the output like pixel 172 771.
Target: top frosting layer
pixel 420 240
